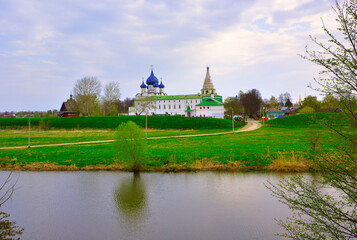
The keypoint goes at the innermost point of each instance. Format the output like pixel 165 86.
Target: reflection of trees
pixel 130 198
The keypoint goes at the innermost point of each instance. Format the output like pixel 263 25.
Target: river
pixel 150 206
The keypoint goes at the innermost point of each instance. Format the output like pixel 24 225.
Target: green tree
pixel 325 206
pixel 311 101
pixel 131 144
pixel 307 109
pixel 272 102
pixel 330 103
pixel 233 103
pixel 113 110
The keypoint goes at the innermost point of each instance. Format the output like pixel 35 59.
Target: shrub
pixel 131 144
pixel 307 109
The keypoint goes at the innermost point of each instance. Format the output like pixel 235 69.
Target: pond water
pixel 120 205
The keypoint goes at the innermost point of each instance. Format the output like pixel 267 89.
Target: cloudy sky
pixel 46 45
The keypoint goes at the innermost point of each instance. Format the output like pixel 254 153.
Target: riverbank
pixel 278 165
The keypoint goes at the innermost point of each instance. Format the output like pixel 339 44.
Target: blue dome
pixel 161 85
pixel 143 85
pixel 152 79
pixel 156 84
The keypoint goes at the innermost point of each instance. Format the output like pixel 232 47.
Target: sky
pixel 47 45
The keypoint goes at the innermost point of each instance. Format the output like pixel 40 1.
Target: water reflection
pixel 131 200
pixel 149 206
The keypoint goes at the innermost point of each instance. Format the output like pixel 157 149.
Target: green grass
pixel 250 148
pixel 255 150
pixel 11 138
pixel 311 120
pixel 155 122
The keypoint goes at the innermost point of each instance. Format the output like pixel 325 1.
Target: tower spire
pixel 208 87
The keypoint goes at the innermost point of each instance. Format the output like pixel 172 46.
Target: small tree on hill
pixel 131 144
pixel 311 101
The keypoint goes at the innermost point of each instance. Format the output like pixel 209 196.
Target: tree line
pixel 251 103
pixel 88 101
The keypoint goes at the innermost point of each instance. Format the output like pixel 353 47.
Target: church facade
pixel 153 100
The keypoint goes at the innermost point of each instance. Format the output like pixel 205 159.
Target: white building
pixel 154 101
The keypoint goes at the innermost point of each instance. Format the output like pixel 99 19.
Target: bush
pixel 131 144
pixel 307 109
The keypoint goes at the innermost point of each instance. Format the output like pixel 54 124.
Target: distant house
pixel 274 113
pixel 287 111
pixel 68 108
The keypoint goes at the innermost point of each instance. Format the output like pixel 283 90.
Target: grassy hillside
pixel 154 122
pixel 311 120
pixel 253 150
pixel 282 144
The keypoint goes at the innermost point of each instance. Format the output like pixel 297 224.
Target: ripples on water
pixel 117 205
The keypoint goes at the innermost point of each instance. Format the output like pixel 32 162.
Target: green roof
pixel 210 102
pixel 179 97
pixel 188 109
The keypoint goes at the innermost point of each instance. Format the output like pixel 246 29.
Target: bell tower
pixel 208 87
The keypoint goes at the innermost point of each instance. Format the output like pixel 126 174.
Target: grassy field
pixel 312 120
pixel 282 147
pixel 11 138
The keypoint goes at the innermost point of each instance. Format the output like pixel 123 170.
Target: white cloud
pixel 66 40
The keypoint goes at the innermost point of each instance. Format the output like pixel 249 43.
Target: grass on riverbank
pixel 258 150
pixel 11 138
pixel 284 147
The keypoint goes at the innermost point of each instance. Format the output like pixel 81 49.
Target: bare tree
pixel 123 106
pixel 251 101
pixel 86 94
pixel 144 105
pixel 111 91
pixel 283 98
pixel 110 98
pixel 325 206
pixel 8 229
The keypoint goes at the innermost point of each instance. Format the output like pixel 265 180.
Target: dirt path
pixel 251 125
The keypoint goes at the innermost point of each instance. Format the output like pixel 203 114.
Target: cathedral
pixel 152 100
